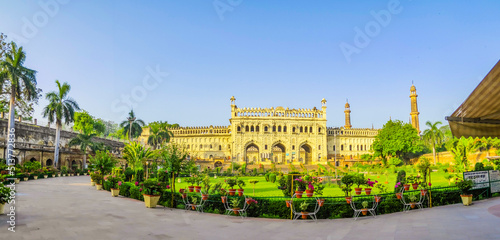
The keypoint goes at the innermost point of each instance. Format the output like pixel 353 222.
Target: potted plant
pixel 152 191
pixel 359 180
pixel 288 203
pixel 413 200
pixel 194 200
pixel 115 183
pixel 26 176
pixel 197 180
pixel 364 210
pixel 301 186
pixel 5 196
pixel 64 171
pixel 465 186
pixel 92 183
pixel 381 189
pixel 303 208
pixel 411 181
pixel 231 182
pixel 241 184
pixel 206 187
pixel 321 202
pixel 235 205
pixel 370 184
pixel 424 186
pixel 191 181
pixel 97 177
pixel 399 194
pixel 347 182
pixel 35 175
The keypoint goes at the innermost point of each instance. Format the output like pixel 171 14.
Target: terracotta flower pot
pixel 288 203
pixel 224 199
pixel 357 190
pixel 204 196
pixel 304 215
pixel 414 186
pixel 423 192
pixel 309 193
pixel 191 188
pixel 412 205
pixel 348 200
pixel 115 192
pixel 378 199
pixel 197 189
pixel 248 200
pixel 231 191
pixel 151 200
pixel 240 192
pixel 321 202
pixel 407 187
pixel 368 191
pixel 298 194
pixel 364 211
pixel 235 210
pixel 399 195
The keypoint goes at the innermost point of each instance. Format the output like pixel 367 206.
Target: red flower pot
pixel 191 188
pixel 414 186
pixel 197 189
pixel 407 187
pixel 378 199
pixel 368 191
pixel 235 210
pixel 399 195
pixel 224 199
pixel 321 202
pixel 357 190
pixel 304 215
pixel 288 203
pixel 364 211
pixel 231 191
pixel 184 195
pixel 348 200
pixel 298 194
pixel 309 193
pixel 423 192
pixel 412 205
pixel 204 196
pixel 240 192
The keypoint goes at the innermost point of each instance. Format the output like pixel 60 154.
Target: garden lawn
pixel 269 189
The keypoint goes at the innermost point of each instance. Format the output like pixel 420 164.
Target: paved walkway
pixel 69 208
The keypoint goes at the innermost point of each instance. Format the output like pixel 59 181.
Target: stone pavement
pixel 69 208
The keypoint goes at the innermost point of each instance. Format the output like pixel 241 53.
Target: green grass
pixel 268 189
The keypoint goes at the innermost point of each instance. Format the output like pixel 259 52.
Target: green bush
pixel 266 176
pixel 254 172
pixel 136 193
pixel 272 177
pixel 125 189
pixel 129 173
pixel 479 167
pixel 139 175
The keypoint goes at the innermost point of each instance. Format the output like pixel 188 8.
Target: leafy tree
pixel 86 123
pixel 396 139
pixel 103 161
pixel 132 126
pixel 20 81
pixel 110 128
pixel 60 107
pixel 447 138
pixel 433 136
pixel 136 155
pixel 461 150
pixel 175 160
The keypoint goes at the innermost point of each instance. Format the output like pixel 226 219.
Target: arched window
pixel 357 147
pixel 188 146
pixel 274 128
pixel 220 147
pixel 333 147
pixel 284 129
pixel 342 147
pixel 251 129
pixel 319 147
pixel 293 147
pixel 279 128
pixel 305 129
pixel 293 129
pixel 239 129
pixel 257 129
pixel 265 129
pixel 301 129
pixel 350 147
pixel 246 129
pixel 210 146
pixel 310 129
pixel 319 130
pixel 201 146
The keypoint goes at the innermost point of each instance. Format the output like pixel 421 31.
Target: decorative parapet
pixel 352 131
pixel 211 130
pixel 278 112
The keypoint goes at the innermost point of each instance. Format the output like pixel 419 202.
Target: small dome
pixel 280 108
pixel 347 105
pixel 413 88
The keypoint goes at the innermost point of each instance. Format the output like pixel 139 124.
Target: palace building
pixel 279 135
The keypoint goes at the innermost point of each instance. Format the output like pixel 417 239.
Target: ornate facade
pixel 275 135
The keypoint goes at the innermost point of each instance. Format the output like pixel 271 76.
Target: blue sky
pixel 265 53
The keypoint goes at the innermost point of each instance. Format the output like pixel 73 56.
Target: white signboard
pixel 495 181
pixel 480 178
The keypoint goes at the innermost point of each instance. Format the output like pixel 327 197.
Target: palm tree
pixel 22 83
pixel 132 126
pixel 103 161
pixel 136 154
pixel 158 134
pixel 84 140
pixel 60 107
pixel 433 136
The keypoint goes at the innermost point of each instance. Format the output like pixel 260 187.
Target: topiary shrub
pixel 272 177
pixel 125 189
pixel 254 172
pixel 266 176
pixel 136 193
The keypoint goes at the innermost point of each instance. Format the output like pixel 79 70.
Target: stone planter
pixel 53 175
pixel 115 192
pixel 35 177
pixel 98 186
pixel 151 200
pixel 45 176
pixel 58 174
pixel 92 183
pixel 26 179
pixel 466 199
pixel 77 174
pixel 17 180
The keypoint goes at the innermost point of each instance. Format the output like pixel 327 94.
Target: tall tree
pixel 159 133
pixel 103 161
pixel 132 126
pixel 175 160
pixel 22 83
pixel 61 107
pixel 86 123
pixel 396 139
pixel 84 140
pixel 433 136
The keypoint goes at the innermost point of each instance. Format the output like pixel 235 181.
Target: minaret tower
pixel 323 107
pixel 347 112
pixel 414 108
pixel 233 106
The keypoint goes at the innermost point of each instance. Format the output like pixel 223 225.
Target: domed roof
pixel 280 108
pixel 413 88
pixel 347 105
